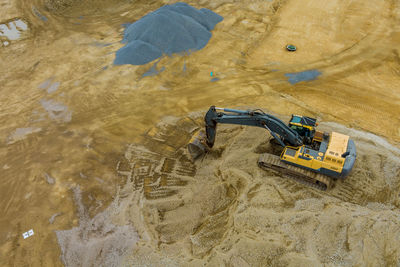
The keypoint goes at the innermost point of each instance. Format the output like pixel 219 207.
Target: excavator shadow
pixel 270 146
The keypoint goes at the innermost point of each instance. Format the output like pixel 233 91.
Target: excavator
pixel 308 156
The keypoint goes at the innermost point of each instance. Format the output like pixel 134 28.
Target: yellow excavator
pixel 308 156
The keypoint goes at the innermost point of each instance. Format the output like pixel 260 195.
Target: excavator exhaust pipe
pixel 197 145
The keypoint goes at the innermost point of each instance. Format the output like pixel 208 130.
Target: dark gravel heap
pixel 170 29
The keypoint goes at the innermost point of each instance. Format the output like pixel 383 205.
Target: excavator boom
pixel 278 129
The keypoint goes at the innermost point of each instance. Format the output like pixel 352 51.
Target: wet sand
pixel 93 153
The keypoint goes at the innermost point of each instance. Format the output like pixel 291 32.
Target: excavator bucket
pixel 197 145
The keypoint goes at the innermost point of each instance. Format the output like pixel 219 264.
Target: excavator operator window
pixel 300 130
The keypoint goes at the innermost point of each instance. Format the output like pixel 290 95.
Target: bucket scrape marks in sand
pixel 159 165
pixel 157 175
pixel 176 206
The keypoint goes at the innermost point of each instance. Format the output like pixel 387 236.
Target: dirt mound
pixel 224 209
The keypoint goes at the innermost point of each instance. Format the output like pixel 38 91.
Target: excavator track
pixel 309 178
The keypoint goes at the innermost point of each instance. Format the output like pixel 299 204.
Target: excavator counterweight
pixel 309 156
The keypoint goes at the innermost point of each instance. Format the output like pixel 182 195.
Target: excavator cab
pixel 304 126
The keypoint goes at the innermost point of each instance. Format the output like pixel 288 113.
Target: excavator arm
pixel 278 129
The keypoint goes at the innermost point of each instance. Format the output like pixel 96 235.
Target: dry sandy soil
pixel 92 156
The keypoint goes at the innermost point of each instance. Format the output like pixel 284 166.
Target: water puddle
pixel 38 14
pixel 49 85
pixel 56 111
pixel 307 75
pixel 12 31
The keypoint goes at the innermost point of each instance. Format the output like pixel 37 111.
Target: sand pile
pixel 170 29
pixel 223 209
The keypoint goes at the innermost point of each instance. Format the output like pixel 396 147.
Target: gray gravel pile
pixel 170 29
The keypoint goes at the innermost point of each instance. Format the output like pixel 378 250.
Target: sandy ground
pixel 230 212
pixel 92 155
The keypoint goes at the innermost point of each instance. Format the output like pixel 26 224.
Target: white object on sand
pixel 28 234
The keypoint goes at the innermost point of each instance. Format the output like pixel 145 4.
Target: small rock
pixel 53 217
pixel 49 179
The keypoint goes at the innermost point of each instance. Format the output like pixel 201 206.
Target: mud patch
pixel 21 133
pixel 57 111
